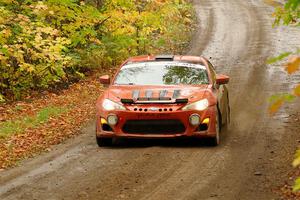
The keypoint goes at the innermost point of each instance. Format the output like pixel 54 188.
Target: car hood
pixel 192 93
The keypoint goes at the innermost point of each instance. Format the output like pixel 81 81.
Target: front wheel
pixel 104 142
pixel 215 141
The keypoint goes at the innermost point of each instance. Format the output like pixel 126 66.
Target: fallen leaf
pixel 293 64
pixel 275 106
pixel 297 90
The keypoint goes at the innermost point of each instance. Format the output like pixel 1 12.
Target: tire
pixel 215 141
pixel 228 112
pixel 104 142
pixel 226 120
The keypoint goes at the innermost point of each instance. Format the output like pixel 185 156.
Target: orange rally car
pixel 163 96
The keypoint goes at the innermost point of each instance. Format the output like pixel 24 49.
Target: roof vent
pixel 164 57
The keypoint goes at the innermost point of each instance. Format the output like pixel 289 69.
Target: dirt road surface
pixel 255 152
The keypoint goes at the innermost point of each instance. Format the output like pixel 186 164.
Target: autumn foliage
pixel 289 14
pixel 44 44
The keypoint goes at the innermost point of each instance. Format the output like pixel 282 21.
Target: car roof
pixel 178 58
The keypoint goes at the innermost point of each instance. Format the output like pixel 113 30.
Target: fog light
pixel 103 121
pixel 205 121
pixel 112 120
pixel 195 119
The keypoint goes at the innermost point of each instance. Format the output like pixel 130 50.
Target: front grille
pixel 153 126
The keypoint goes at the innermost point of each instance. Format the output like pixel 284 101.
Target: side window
pixel 212 71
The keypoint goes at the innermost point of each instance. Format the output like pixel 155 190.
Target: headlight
pixel 110 105
pixel 199 105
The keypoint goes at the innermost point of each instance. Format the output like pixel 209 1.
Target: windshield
pixel 162 73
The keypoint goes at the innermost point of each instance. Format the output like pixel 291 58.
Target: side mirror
pixel 105 80
pixel 222 79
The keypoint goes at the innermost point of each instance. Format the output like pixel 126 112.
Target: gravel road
pixel 254 155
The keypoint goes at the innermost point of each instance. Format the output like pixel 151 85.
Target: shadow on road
pixel 181 142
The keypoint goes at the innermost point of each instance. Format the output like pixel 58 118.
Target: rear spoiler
pixel 161 100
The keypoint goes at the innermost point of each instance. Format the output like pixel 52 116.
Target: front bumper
pixel 182 116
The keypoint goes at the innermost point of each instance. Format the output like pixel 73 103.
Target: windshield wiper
pixel 125 84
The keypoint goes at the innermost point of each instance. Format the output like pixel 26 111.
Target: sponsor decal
pixel 176 94
pixel 153 115
pixel 153 109
pixel 149 95
pixel 135 94
pixel 163 93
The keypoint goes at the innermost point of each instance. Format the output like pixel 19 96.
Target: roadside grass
pixel 16 126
